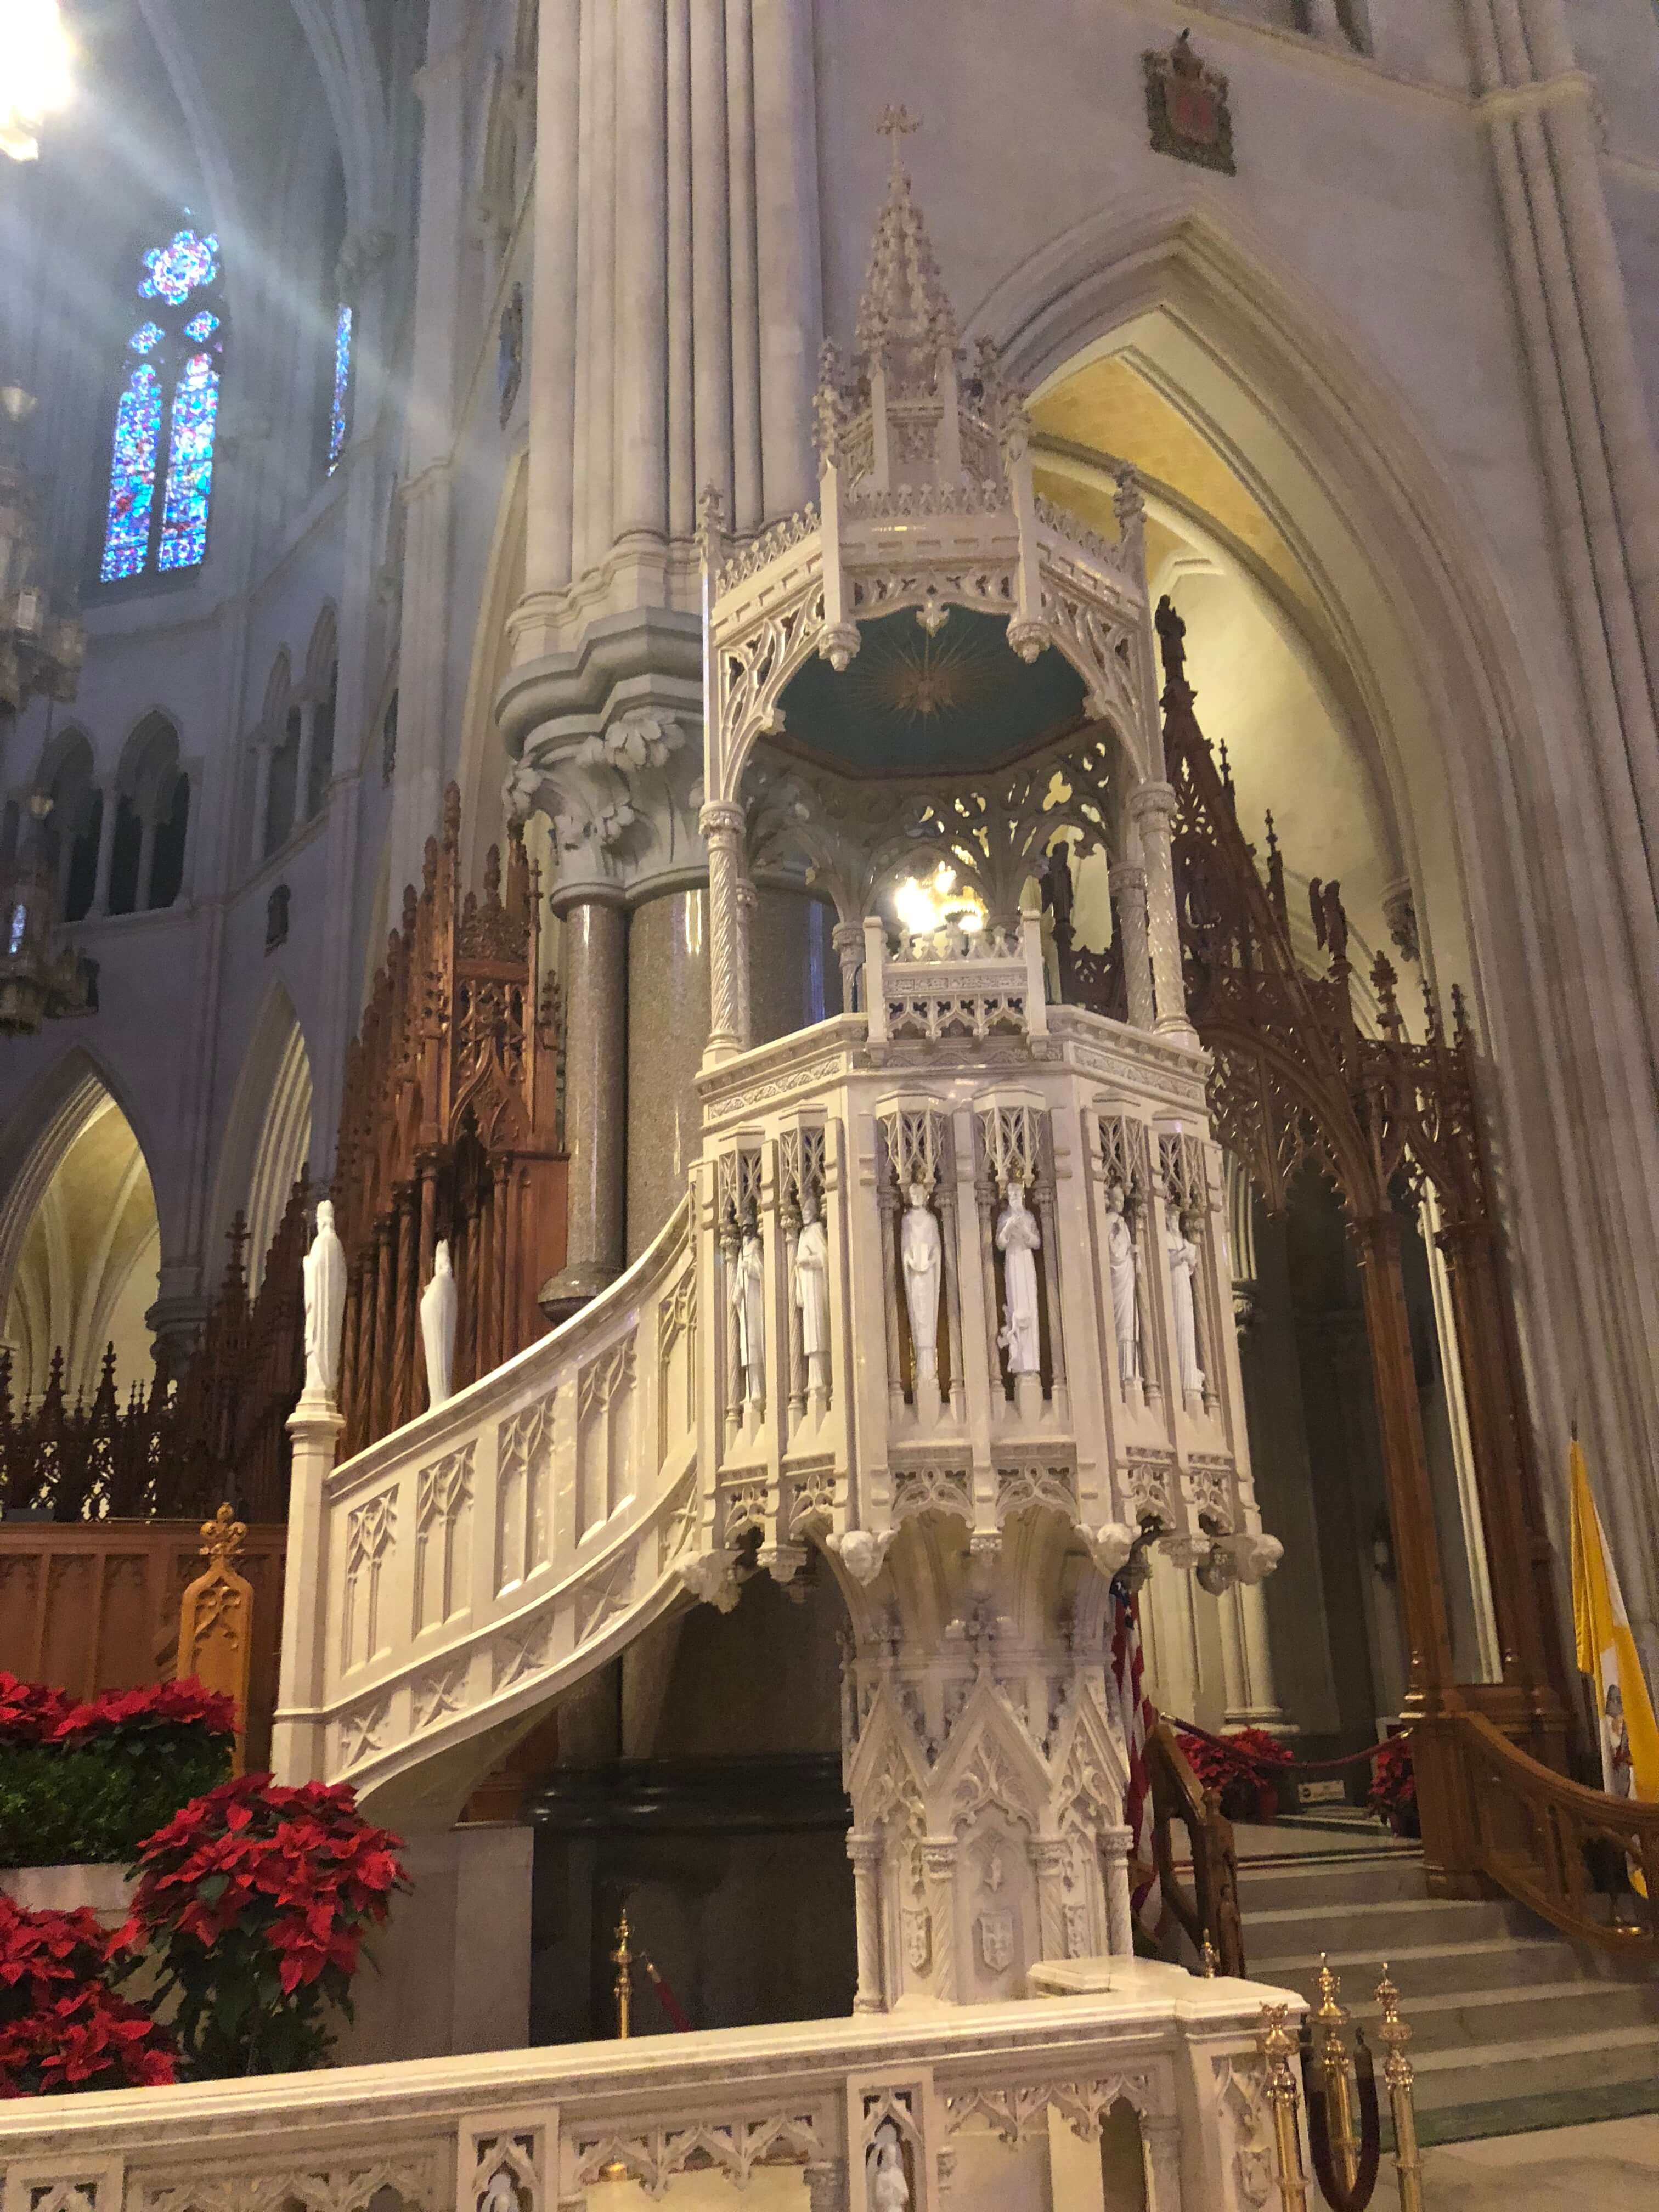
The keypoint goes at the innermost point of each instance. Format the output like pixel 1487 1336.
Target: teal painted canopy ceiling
pixel 910 704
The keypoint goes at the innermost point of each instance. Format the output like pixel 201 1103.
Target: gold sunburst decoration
pixel 921 676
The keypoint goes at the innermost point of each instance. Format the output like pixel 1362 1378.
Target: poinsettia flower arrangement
pixel 84 1782
pixel 253 1902
pixel 1393 1795
pixel 63 2027
pixel 1239 1768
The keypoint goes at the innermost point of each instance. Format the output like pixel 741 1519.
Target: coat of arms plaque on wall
pixel 1187 107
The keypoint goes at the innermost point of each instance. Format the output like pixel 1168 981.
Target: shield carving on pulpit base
pixel 996 1939
pixel 918 1938
pixel 1187 107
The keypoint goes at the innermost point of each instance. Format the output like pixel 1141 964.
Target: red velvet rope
pixel 1266 1766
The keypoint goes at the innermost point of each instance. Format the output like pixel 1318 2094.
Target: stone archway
pixel 1560 970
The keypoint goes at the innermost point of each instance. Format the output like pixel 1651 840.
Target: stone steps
pixel 1502 2007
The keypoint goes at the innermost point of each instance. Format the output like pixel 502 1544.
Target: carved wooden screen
pixel 1387 1119
pixel 449 1127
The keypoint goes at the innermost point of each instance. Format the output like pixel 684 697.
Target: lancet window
pixel 160 481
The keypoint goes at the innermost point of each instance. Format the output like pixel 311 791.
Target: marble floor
pixel 1612 2165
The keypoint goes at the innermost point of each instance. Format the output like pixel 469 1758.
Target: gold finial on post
pixel 1275 2041
pixel 1393 2033
pixel 222 1538
pixel 1331 2058
pixel 1211 1959
pixel 622 1959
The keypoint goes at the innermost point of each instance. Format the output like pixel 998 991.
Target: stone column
pixel 847 939
pixel 596 1043
pixel 1115 1845
pixel 302 765
pixel 1152 809
pixel 711 292
pixel 667 1023
pixel 297 1748
pixel 640 427
pixel 721 824
pixel 551 368
pixel 865 1852
pixel 1128 889
pixel 1246 1660
pixel 1160 2133
pixel 146 864
pixel 787 223
pixel 106 842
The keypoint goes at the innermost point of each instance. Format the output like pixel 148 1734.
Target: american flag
pixel 1139 1719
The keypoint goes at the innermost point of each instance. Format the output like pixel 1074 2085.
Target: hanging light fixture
pixel 35 73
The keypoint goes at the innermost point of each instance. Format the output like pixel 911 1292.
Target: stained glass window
pixel 167 410
pixel 339 414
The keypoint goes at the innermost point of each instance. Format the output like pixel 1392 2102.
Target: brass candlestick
pixel 1331 2059
pixel 1393 2031
pixel 622 1959
pixel 1276 2043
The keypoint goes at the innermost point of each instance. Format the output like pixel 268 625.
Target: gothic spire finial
pixel 902 308
pixel 895 123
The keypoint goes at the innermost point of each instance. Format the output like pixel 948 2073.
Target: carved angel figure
pixel 811 1288
pixel 1121 1273
pixel 748 1305
pixel 1019 1240
pixel 920 1249
pixel 324 1275
pixel 439 1303
pixel 889 2190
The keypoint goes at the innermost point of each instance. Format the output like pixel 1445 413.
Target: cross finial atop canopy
pixel 896 123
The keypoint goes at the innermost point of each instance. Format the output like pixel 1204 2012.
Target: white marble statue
pixel 325 1272
pixel 1121 1272
pixel 439 1302
pixel 1183 1276
pixel 1019 1240
pixel 888 2191
pixel 748 1305
pixel 811 1288
pixel 921 1249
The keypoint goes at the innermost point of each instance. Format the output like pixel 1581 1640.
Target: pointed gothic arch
pixel 268 1131
pixel 1489 806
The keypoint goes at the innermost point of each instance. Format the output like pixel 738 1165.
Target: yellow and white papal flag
pixel 1607 1651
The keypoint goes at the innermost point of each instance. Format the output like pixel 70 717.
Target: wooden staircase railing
pixel 1210 1913
pixel 1566 1852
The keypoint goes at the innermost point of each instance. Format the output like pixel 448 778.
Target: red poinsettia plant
pixel 1393 1796
pixel 1239 1768
pixel 62 2025
pixel 252 1903
pixel 30 1712
pixel 155 1705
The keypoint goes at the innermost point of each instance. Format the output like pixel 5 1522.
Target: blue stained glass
pixel 146 337
pixel 180 267
pixel 189 465
pixel 337 421
pixel 202 326
pixel 132 475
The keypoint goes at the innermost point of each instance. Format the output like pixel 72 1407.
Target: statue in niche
pixel 324 1275
pixel 1121 1273
pixel 1183 1276
pixel 748 1305
pixel 888 2190
pixel 811 1288
pixel 439 1302
pixel 921 1249
pixel 1019 1240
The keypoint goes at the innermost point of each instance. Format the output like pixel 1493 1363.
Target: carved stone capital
pixel 720 821
pixel 1151 807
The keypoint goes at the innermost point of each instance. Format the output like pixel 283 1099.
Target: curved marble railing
pixel 472 1565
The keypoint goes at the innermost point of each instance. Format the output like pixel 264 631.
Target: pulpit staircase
pixel 1514 2026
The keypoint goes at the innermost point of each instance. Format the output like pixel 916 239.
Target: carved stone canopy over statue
pixel 325 1276
pixel 1019 1240
pixel 920 1248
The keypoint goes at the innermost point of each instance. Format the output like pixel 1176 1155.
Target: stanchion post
pixel 1275 2042
pixel 1393 2033
pixel 1332 2053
